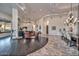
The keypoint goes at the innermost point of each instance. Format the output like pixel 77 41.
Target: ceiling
pixel 6 8
pixel 34 11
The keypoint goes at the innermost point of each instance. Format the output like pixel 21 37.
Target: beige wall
pixel 55 20
pixel 28 25
pixel 7 17
pixel 3 15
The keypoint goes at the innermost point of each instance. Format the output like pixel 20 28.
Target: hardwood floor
pixel 53 46
pixel 20 47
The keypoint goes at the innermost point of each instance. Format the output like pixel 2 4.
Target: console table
pixel 76 37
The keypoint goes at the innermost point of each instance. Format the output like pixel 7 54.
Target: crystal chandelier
pixel 71 19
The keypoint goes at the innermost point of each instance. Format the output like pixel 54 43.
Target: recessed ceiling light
pixel 40 9
pixel 23 8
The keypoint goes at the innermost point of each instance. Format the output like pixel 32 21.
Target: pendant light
pixel 71 19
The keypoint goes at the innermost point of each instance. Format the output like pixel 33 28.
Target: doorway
pixel 47 32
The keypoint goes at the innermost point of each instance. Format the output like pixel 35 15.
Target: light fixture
pixel 75 20
pixel 2 26
pixel 33 27
pixel 40 9
pixel 21 7
pixel 47 22
pixel 71 19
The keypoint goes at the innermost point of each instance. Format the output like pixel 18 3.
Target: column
pixel 78 19
pixel 14 23
pixel 77 28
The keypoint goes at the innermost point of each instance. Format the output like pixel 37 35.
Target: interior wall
pixel 28 25
pixel 6 26
pixel 6 16
pixel 75 14
pixel 56 20
pixel 40 26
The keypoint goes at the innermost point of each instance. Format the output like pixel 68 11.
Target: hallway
pixel 56 47
pixel 39 29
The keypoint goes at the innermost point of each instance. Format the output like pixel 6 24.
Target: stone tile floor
pixel 55 47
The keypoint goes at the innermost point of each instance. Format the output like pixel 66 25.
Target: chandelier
pixel 71 19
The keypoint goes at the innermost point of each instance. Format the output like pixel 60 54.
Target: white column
pixel 15 23
pixel 77 29
pixel 34 27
